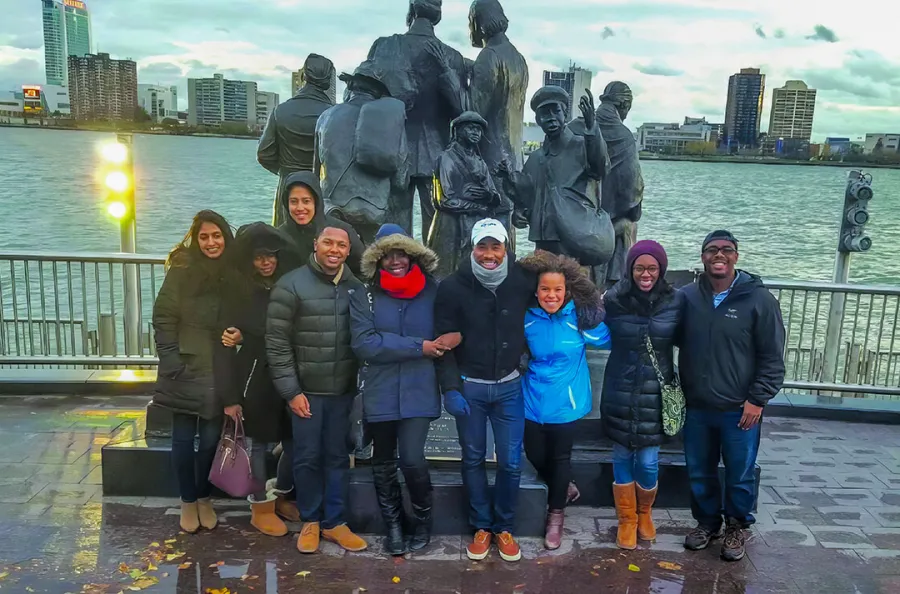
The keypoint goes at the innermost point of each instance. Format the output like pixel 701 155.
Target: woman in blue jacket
pixel 393 337
pixel 557 386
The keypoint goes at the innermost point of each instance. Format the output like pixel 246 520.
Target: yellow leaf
pixel 151 567
pixel 173 556
pixel 144 582
pixel 633 567
pixel 4 575
pixel 218 591
pixel 171 540
pixel 135 573
pixel 184 565
pixel 303 574
pixel 395 579
pixel 154 544
pixel 669 565
pixel 123 568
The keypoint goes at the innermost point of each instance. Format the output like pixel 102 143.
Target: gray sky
pixel 677 55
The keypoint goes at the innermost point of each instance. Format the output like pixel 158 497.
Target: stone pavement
pixel 829 521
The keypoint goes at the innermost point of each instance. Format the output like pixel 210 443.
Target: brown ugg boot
pixel 190 521
pixel 263 518
pixel 207 514
pixel 626 510
pixel 645 528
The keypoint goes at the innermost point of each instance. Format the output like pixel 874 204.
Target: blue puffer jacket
pixel 397 380
pixel 557 385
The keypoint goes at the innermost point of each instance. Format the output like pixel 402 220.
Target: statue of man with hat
pixel 361 154
pixel 464 193
pixel 288 141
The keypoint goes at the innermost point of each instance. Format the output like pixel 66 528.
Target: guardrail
pixel 94 310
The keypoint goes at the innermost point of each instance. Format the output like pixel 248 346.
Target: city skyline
pixel 676 55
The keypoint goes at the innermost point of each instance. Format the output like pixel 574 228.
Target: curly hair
pixel 579 288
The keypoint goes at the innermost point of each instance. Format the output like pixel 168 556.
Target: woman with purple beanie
pixel 640 306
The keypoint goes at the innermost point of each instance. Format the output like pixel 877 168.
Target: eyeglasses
pixel 714 251
pixel 643 269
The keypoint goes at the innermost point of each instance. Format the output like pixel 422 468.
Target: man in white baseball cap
pixel 485 300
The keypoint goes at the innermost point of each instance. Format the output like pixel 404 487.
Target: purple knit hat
pixel 648 247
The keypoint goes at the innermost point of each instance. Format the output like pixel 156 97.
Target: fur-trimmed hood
pixel 418 254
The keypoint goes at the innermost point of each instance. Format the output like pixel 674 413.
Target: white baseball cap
pixel 489 228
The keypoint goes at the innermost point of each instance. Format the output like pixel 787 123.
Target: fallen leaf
pixel 154 544
pixel 171 540
pixel 124 568
pixel 135 573
pixel 303 574
pixel 633 567
pixel 29 589
pixel 4 575
pixel 185 565
pixel 173 556
pixel 595 574
pixel 165 575
pixel 218 591
pixel 395 579
pixel 669 565
pixel 144 582
pixel 151 567
pixel 246 577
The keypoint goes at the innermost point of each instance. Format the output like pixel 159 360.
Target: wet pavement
pixel 829 521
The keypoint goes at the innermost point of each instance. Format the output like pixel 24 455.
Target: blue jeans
pixel 640 465
pixel 504 405
pixel 708 436
pixel 192 467
pixel 322 460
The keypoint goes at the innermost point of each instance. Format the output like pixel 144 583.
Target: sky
pixel 676 55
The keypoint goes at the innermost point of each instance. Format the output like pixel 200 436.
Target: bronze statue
pixel 498 86
pixel 559 186
pixel 430 77
pixel 287 143
pixel 464 193
pixel 361 154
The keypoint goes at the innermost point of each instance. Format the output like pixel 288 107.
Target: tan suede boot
pixel 207 514
pixel 263 518
pixel 190 520
pixel 626 510
pixel 645 528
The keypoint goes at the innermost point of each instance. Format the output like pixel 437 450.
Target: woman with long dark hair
pixel 567 317
pixel 642 312
pixel 187 328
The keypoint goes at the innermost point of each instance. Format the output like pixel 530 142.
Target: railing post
pixel 835 319
pixel 106 335
pixel 128 245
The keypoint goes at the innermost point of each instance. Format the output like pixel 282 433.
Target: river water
pixel 786 217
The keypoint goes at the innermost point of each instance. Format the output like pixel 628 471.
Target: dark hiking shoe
pixel 733 545
pixel 700 537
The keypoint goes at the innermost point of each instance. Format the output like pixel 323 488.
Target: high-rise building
pixel 297 80
pixel 574 81
pixel 159 102
pixel 744 108
pixel 266 103
pixel 793 107
pixel 67 32
pixel 212 101
pixel 101 88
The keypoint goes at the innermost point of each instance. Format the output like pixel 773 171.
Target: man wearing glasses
pixel 731 364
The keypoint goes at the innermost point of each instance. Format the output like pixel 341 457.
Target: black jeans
pixel 549 449
pixel 408 436
pixel 322 460
pixel 192 468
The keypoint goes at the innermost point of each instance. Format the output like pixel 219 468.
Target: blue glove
pixel 456 404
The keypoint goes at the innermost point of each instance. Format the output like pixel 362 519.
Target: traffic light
pixel 856 213
pixel 118 178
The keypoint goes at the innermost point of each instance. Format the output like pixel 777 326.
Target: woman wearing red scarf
pixel 393 337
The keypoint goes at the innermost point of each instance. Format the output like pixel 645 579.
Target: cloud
pixel 656 69
pixel 607 33
pixel 759 31
pixel 823 33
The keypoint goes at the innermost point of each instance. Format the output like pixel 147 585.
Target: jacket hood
pixel 311 181
pixel 418 254
pixel 261 236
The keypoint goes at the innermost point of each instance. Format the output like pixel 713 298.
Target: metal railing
pixel 88 309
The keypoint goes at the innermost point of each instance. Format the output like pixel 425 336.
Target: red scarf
pixel 406 287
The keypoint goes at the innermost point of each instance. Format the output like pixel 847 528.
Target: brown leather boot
pixel 626 510
pixel 645 528
pixel 286 509
pixel 207 514
pixel 554 531
pixel 263 518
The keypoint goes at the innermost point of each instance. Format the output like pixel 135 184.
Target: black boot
pixel 390 499
pixel 419 484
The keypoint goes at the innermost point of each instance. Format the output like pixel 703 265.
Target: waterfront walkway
pixel 829 521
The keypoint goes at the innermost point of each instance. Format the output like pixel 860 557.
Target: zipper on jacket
pixel 250 377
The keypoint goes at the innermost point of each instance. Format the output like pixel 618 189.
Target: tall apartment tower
pixel 743 111
pixel 574 81
pixel 212 101
pixel 297 80
pixel 102 89
pixel 793 108
pixel 67 32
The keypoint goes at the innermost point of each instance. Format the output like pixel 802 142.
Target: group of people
pixel 281 329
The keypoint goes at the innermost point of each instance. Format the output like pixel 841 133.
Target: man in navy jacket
pixel 731 363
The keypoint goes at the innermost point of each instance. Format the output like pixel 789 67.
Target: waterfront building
pixel 882 142
pixel 158 101
pixel 67 32
pixel 212 101
pixel 575 80
pixel 743 109
pixel 673 139
pixel 793 108
pixel 838 146
pixel 297 80
pixel 102 89
pixel 266 103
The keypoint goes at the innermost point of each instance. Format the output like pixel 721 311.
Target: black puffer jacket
pixel 308 333
pixel 631 403
pixel 305 235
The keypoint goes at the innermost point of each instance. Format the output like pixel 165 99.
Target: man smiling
pixel 731 364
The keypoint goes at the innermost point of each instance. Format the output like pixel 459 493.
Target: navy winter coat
pixel 397 380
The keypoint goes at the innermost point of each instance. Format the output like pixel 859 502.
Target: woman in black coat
pixel 639 306
pixel 259 256
pixel 187 328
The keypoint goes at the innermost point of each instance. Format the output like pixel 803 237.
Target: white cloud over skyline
pixel 677 55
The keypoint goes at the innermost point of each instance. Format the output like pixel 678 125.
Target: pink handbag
pixel 231 470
